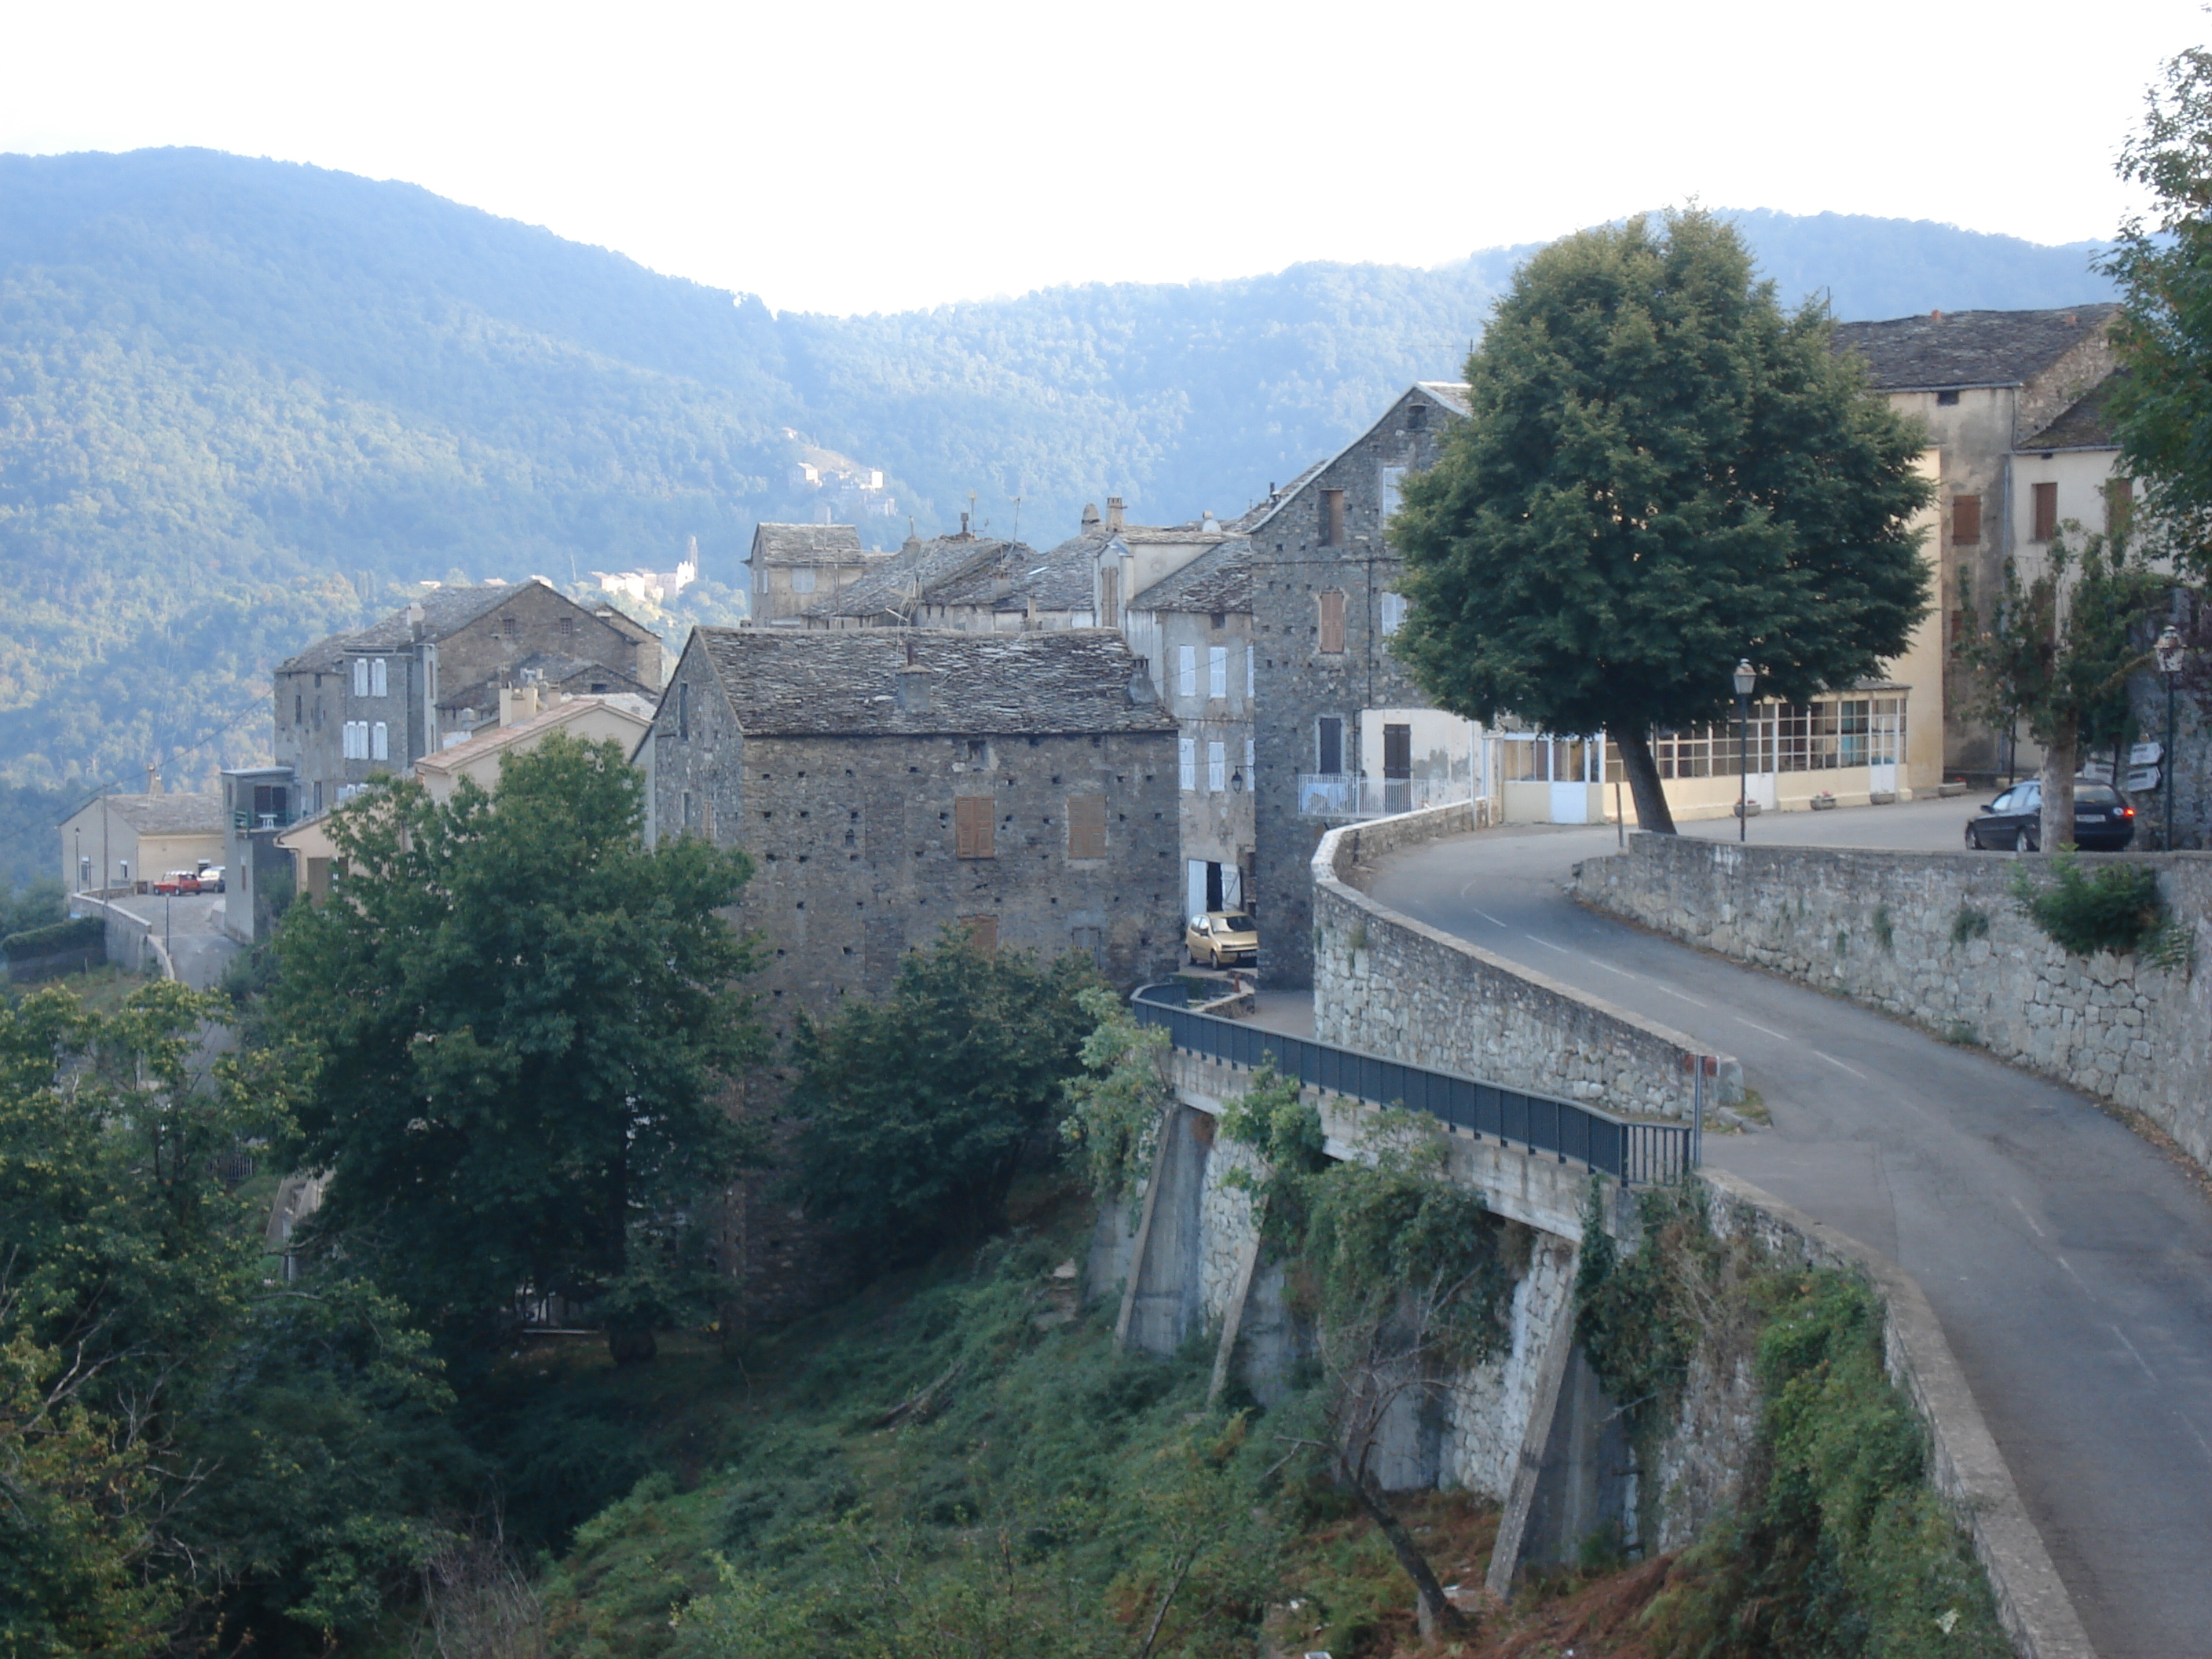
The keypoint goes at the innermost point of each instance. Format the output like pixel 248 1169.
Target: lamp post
pixel 1745 677
pixel 2171 650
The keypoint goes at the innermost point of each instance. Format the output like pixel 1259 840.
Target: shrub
pixel 2117 908
pixel 80 933
pixel 1969 924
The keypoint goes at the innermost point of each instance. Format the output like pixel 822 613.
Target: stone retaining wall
pixel 1389 985
pixel 1937 938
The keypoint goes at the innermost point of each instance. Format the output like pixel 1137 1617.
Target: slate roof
pixel 1057 580
pixel 445 610
pixel 554 668
pixel 2087 424
pixel 918 572
pixel 1219 579
pixel 1451 395
pixel 170 815
pixel 492 739
pixel 806 544
pixel 783 683
pixel 1968 348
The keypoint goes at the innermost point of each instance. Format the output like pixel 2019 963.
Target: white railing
pixel 1346 795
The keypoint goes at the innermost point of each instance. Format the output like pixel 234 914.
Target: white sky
pixel 879 157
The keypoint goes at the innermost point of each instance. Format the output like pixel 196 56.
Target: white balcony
pixel 1343 796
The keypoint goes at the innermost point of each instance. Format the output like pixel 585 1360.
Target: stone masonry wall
pixel 1937 938
pixel 1389 985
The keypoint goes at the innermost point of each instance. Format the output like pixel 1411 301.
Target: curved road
pixel 2067 1258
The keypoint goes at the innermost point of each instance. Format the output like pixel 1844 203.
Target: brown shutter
pixel 2047 512
pixel 2120 505
pixel 1087 826
pixel 982 933
pixel 1966 521
pixel 973 818
pixel 1332 518
pixel 1332 620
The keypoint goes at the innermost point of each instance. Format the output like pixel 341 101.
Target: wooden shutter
pixel 982 933
pixel 2047 512
pixel 1087 826
pixel 1332 518
pixel 1332 620
pixel 973 818
pixel 1966 521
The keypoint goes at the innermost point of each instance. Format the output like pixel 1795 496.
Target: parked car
pixel 178 881
pixel 212 878
pixel 1219 938
pixel 2103 820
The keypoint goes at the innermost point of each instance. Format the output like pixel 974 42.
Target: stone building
pixel 1337 714
pixel 355 705
pixel 890 782
pixel 792 566
pixel 965 582
pixel 124 842
pixel 2013 402
pixel 1194 629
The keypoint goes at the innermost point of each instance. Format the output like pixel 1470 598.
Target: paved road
pixel 2067 1259
pixel 193 927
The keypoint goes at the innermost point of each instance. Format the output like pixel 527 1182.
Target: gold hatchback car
pixel 1220 937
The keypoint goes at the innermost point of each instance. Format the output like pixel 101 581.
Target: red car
pixel 178 881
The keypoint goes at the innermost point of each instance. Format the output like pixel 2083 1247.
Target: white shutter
pixel 1217 671
pixel 1217 767
pixel 360 677
pixel 380 742
pixel 379 682
pixel 1187 763
pixel 1187 671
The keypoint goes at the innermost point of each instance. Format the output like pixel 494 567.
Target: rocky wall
pixel 1938 938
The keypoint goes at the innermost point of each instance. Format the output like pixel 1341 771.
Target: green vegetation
pixel 1840 1549
pixel 919 1112
pixel 1662 472
pixel 2117 907
pixel 1970 923
pixel 515 1020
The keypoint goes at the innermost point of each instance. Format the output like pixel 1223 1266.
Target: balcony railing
pixel 1347 795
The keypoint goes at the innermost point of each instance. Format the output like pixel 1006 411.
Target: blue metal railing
pixel 1634 1153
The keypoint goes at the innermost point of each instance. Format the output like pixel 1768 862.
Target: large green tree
pixel 1662 473
pixel 521 1015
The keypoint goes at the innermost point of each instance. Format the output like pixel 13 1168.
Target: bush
pixel 79 934
pixel 2117 908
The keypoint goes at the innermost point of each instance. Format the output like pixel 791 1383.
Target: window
pixel 1217 671
pixel 1417 416
pixel 1109 598
pixel 2047 512
pixel 2120 505
pixel 1332 518
pixel 347 746
pixel 1332 620
pixel 299 710
pixel 380 741
pixel 1248 671
pixel 802 579
pixel 1249 769
pixel 380 678
pixel 1087 826
pixel 566 628
pixel 1187 671
pixel 974 827
pixel 1218 621
pixel 1329 743
pixel 514 627
pixel 360 677
pixel 1217 767
pixel 318 794
pixel 1947 400
pixel 1393 478
pixel 683 710
pixel 1394 613
pixel 1966 521
pixel 1186 764
pixel 983 934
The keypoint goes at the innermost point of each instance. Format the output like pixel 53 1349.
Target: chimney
pixel 1089 515
pixel 415 614
pixel 508 699
pixel 153 779
pixel 1113 512
pixel 1142 693
pixel 1934 316
pixel 916 692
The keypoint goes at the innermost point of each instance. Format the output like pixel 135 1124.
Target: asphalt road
pixel 193 925
pixel 2067 1259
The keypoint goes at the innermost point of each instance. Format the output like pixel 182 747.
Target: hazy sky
pixel 871 157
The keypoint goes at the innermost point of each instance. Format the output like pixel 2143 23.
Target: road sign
pixel 2143 780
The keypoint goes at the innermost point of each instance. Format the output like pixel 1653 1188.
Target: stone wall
pixel 1389 985
pixel 1937 938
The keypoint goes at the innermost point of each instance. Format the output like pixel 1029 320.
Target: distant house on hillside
pixel 2014 404
pixel 127 840
pixel 889 782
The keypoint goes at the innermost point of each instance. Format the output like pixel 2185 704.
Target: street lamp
pixel 1746 677
pixel 2171 652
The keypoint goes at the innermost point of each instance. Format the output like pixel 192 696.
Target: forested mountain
pixel 240 400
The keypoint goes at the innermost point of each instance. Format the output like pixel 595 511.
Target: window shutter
pixel 2047 512
pixel 1332 518
pixel 2120 505
pixel 1186 671
pixel 982 933
pixel 1087 826
pixel 1332 620
pixel 1217 671
pixel 973 820
pixel 1966 521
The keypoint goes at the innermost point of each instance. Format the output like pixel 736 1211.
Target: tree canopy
pixel 518 1016
pixel 1662 473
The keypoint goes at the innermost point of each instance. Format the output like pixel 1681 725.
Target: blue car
pixel 2103 820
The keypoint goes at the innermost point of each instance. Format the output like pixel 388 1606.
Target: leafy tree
pixel 519 1015
pixel 2161 408
pixel 918 1109
pixel 2056 654
pixel 1662 473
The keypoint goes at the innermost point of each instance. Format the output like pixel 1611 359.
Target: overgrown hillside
pixel 239 398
